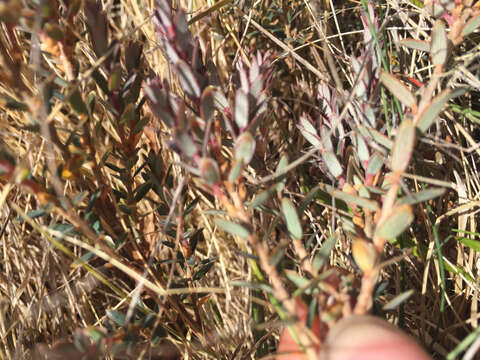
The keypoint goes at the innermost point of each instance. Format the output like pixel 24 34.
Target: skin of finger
pixel 369 338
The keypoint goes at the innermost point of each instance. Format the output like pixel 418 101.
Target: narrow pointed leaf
pixel 241 109
pixel 421 196
pixel 333 164
pixel 232 228
pixel 357 200
pixel 471 25
pixel 420 45
pixel 244 147
pixel 235 171
pixel 439 46
pixel 398 88
pixel 429 115
pixel 374 164
pixel 403 146
pixel 188 80
pixel 471 243
pixel 399 220
pixel 398 300
pixel 291 218
pixel 324 254
pixel 362 148
pixel 309 132
pixel 209 171
pixel 376 136
pixel 207 107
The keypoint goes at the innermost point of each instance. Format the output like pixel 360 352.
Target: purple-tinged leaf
pixel 244 83
pixel 207 104
pixel 132 56
pixel 398 88
pixel 164 13
pixel 403 146
pixel 241 109
pixel 97 26
pixel 221 102
pixel 188 80
pixel 308 131
pixel 158 102
pixel 185 143
pixel 170 51
pixel 209 171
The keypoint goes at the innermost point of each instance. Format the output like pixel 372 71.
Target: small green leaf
pixel 376 136
pixel 262 197
pixel 333 164
pixel 203 271
pixel 232 228
pixel 251 285
pixel 117 317
pixel 398 300
pixel 421 196
pixel 235 171
pixel 244 148
pixel 439 45
pixel 142 190
pixel 374 164
pixel 429 115
pixel 209 171
pixel 282 179
pixel 291 218
pixel 207 104
pixel 362 148
pixel 399 220
pixel 53 31
pixel 185 143
pixel 357 200
pixel 76 101
pixel 471 25
pixel 140 125
pixel 309 132
pixel 115 79
pixel 403 146
pixel 471 243
pixel 323 255
pixel 398 88
pixel 299 281
pixel 420 45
